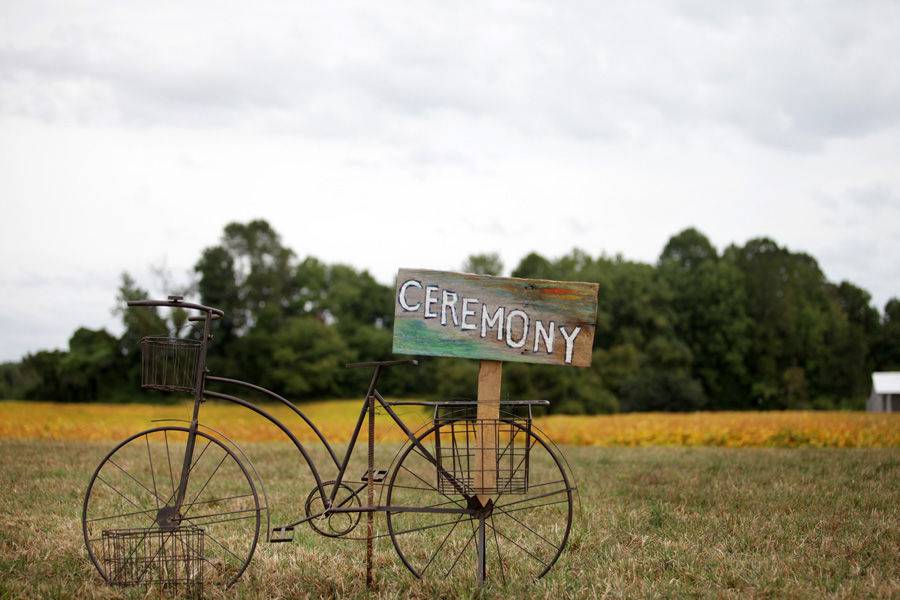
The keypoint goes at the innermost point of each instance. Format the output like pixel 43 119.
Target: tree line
pixel 752 327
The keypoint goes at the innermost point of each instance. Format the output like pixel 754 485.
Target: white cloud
pixel 132 133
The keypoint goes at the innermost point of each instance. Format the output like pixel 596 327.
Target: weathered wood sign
pixel 494 319
pixel 440 313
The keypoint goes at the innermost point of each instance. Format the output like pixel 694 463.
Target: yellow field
pixel 47 420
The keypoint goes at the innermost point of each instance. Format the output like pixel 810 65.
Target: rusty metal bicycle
pixel 182 504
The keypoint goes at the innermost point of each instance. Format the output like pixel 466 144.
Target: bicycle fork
pixel 188 463
pixel 186 466
pixel 171 516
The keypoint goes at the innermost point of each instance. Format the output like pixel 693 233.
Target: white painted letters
pixel 429 300
pixel 570 341
pixel 449 301
pixel 402 296
pixel 488 322
pixel 509 329
pixel 540 332
pixel 467 312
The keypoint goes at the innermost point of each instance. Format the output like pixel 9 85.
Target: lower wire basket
pixel 465 445
pixel 170 558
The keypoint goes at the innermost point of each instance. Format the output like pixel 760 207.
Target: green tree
pixel 849 361
pixel 534 266
pixel 218 287
pixel 757 326
pixel 886 346
pixel 248 275
pixel 483 264
pixel 44 369
pixel 304 359
pixel 709 302
pixel 138 323
pixel 688 249
pixel 797 320
pixel 15 380
pixel 354 299
pixel 91 365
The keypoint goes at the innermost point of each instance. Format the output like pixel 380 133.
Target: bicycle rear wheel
pixel 524 532
pixel 130 500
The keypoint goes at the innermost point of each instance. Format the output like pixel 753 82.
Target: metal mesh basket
pixel 170 558
pixel 169 364
pixel 459 439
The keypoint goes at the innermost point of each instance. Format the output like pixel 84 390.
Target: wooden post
pixel 490 373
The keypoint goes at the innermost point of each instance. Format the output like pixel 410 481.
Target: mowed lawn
pixel 654 521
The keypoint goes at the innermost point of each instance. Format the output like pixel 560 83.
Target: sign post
pixel 493 319
pixel 490 373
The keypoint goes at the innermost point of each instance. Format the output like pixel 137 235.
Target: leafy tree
pixel 757 326
pixel 310 288
pixel 886 347
pixel 304 359
pixel 248 275
pixel 534 266
pixel 15 380
pixel 91 364
pixel 688 250
pixel 354 299
pixel 661 390
pixel 797 327
pixel 848 362
pixel 44 368
pixel 455 379
pixel 483 264
pixel 138 323
pixel 709 305
pixel 218 287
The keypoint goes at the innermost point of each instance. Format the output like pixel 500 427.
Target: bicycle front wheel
pixel 525 530
pixel 135 534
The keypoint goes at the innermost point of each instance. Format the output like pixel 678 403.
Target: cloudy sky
pixel 414 134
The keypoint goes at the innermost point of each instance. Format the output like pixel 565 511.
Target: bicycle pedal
pixel 281 534
pixel 380 474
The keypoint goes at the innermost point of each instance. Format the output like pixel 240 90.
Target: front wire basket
pixel 459 439
pixel 170 558
pixel 169 364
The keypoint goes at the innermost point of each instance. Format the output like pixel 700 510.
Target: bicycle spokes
pixel 134 491
pixel 523 533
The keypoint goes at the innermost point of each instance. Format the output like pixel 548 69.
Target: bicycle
pixel 178 505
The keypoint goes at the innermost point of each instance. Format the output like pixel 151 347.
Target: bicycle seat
pixel 382 363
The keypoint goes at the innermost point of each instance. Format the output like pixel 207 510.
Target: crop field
pixel 667 508
pixel 108 422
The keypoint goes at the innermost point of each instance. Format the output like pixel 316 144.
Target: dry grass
pixel 655 522
pixel 96 422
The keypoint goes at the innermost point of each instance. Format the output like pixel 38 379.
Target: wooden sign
pixel 440 313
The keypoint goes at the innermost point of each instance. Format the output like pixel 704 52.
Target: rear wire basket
pixel 170 558
pixel 459 439
pixel 169 364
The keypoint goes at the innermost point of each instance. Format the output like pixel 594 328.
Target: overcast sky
pixel 413 134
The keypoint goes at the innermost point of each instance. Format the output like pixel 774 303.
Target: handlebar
pixel 176 302
pixel 214 316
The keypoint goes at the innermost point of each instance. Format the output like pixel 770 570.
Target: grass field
pixel 657 521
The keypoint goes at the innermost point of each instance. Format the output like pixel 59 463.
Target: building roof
pixel 886 382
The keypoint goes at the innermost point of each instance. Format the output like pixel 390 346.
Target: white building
pixel 885 395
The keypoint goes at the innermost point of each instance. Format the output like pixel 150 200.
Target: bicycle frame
pixel 342 465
